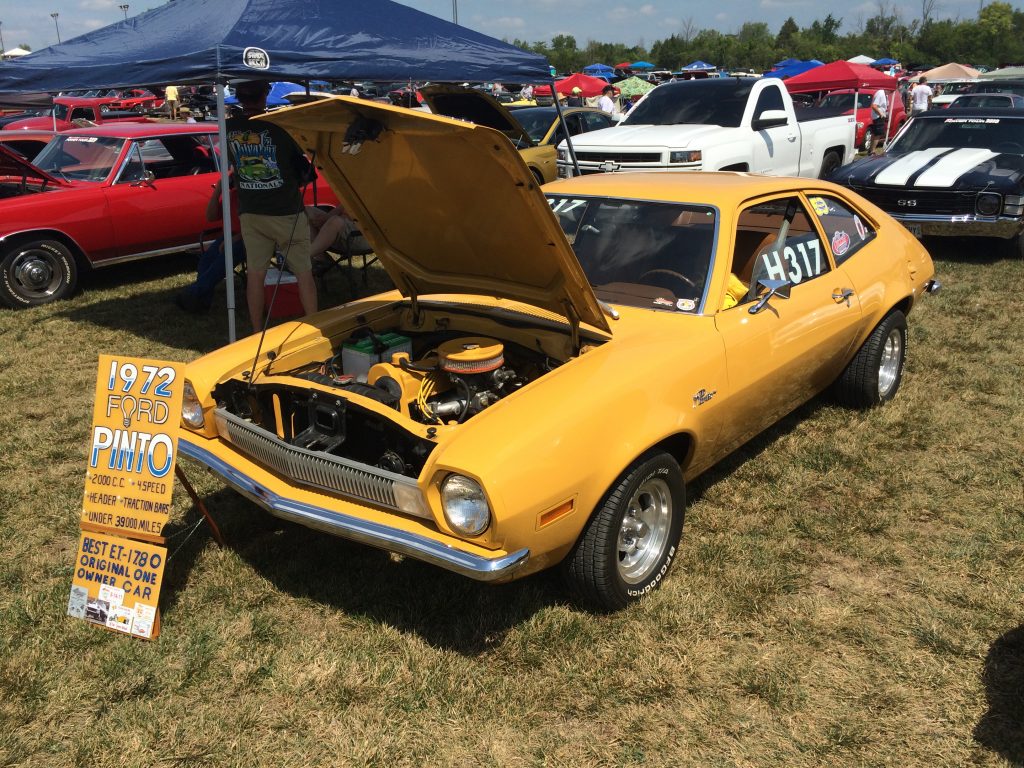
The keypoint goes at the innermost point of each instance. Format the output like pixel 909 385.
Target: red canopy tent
pixel 841 74
pixel 590 86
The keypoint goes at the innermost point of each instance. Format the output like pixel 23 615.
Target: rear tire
pixel 875 373
pixel 36 272
pixel 630 542
pixel 830 164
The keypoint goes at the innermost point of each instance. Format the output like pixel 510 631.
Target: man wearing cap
pixel 270 171
pixel 606 102
pixel 576 100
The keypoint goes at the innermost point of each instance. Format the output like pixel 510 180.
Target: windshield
pixel 995 134
pixel 80 158
pixel 641 254
pixel 535 120
pixel 693 102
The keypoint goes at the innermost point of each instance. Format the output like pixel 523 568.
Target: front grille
pixel 932 202
pixel 346 478
pixel 618 157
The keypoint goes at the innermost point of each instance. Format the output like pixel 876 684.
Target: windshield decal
pixel 82 139
pixel 840 243
pixel 820 206
pixel 981 121
pixel 862 231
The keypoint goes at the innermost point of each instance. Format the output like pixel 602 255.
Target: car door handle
pixel 791 138
pixel 842 294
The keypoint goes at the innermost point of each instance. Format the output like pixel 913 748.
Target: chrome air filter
pixel 473 354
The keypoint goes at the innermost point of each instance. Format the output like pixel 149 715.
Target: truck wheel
pixel 829 164
pixel 1014 248
pixel 875 373
pixel 630 542
pixel 36 272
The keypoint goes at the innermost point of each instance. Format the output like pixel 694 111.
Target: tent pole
pixel 225 210
pixel 568 138
pixel 888 123
pixel 856 99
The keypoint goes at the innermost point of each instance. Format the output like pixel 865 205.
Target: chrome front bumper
pixel 355 529
pixel 959 226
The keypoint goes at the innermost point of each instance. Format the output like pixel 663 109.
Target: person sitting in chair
pixel 210 270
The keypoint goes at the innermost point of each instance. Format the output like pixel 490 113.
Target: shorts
pixel 263 235
pixel 878 126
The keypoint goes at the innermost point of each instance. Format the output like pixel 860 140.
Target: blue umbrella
pixel 641 65
pixel 794 69
pixel 597 69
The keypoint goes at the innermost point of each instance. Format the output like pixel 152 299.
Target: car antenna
pixel 311 175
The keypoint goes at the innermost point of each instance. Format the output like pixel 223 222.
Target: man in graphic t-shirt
pixel 270 171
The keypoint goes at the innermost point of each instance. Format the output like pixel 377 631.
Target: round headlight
pixel 465 506
pixel 191 408
pixel 988 204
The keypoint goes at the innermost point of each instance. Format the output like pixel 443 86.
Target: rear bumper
pixel 346 526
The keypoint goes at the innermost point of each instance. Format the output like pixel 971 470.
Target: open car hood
pixel 448 206
pixel 477 107
pixel 14 165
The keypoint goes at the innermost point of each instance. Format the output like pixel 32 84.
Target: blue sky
pixel 633 22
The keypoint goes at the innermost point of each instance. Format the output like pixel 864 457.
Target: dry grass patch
pixel 848 593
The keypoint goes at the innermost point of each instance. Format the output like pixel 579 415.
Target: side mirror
pixel 778 288
pixel 146 180
pixel 770 118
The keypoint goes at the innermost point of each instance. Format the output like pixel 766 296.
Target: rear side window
pixel 845 231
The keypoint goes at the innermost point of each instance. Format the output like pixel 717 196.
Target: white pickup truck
pixel 723 124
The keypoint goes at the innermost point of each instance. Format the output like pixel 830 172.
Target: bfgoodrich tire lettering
pixel 36 272
pixel 875 373
pixel 631 541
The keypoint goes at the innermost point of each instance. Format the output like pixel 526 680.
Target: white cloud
pixel 503 24
pixel 91 24
pixel 770 4
pixel 97 5
pixel 647 10
pixel 723 16
pixel 620 13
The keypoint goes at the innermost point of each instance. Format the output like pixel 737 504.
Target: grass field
pixel 850 589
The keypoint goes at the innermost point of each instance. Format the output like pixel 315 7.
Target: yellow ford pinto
pixel 554 365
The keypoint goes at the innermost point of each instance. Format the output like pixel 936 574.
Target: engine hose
pixel 465 407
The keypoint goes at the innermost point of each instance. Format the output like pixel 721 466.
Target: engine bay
pixel 432 381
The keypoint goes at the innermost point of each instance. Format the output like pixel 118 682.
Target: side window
pixel 770 98
pixel 81 113
pixel 775 240
pixel 596 122
pixel 845 230
pixel 575 124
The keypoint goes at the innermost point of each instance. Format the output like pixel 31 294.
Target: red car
pixel 69 111
pixel 102 196
pixel 135 99
pixel 843 100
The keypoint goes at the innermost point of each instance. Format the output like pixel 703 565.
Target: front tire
pixel 875 373
pixel 868 136
pixel 36 272
pixel 630 542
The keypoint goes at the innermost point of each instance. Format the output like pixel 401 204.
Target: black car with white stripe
pixel 951 172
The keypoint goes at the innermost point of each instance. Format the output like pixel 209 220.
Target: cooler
pixel 287 303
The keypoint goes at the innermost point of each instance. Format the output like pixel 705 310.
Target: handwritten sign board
pixel 136 416
pixel 129 481
pixel 117 583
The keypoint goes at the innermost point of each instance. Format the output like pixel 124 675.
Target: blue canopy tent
pixel 278 91
pixel 785 63
pixel 641 65
pixel 883 62
pixel 699 66
pixel 794 69
pixel 597 70
pixel 212 41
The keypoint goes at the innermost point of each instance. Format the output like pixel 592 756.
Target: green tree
pixel 788 33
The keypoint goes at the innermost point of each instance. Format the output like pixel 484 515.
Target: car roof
pixel 127 130
pixel 725 188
